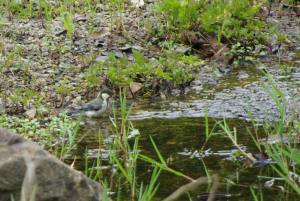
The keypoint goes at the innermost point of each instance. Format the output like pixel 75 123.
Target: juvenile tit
pixel 95 108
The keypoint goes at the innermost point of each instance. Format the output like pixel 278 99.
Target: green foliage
pixel 286 127
pixel 93 73
pixel 126 165
pixel 117 6
pixel 68 23
pixel 179 14
pixel 22 97
pixel 233 19
pixel 54 128
pixel 175 68
pixel 17 96
pixel 91 76
pixel 63 89
pixel 92 9
pixel 48 13
pixel 236 19
pixel 23 12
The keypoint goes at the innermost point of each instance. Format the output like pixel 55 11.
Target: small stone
pixel 80 76
pixel 118 55
pixel 77 43
pixel 102 58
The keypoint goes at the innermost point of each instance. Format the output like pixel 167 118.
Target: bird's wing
pixel 92 107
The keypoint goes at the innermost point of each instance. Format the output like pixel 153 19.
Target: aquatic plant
pixel 285 127
pixel 283 152
pixel 123 157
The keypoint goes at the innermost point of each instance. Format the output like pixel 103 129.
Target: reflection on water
pixel 177 139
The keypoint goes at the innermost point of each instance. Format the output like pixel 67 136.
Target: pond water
pixel 177 139
pixel 178 129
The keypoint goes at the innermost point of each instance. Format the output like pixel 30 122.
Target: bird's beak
pixel 114 97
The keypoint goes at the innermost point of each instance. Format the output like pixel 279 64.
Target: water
pixel 178 129
pixel 177 139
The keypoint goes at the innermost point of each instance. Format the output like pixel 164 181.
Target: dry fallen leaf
pixel 52 112
pixel 31 113
pixel 100 34
pixel 135 86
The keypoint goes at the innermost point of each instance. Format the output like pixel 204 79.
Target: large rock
pixel 24 165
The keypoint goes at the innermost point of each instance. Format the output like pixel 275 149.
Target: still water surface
pixel 177 136
pixel 176 140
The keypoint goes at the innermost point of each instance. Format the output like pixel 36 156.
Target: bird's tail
pixel 74 113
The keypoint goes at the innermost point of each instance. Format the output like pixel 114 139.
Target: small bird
pixel 95 108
